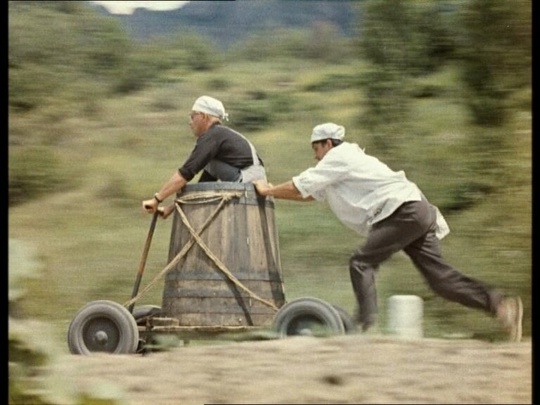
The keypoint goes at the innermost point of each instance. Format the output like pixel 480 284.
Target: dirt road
pixel 350 369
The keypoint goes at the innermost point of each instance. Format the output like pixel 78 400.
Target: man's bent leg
pixel 454 286
pixel 446 280
pixel 385 238
pixel 223 171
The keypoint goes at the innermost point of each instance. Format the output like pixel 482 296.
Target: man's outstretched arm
pixel 285 191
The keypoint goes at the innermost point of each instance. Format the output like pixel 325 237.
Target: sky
pixel 127 7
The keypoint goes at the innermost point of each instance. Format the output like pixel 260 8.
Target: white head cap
pixel 327 131
pixel 210 106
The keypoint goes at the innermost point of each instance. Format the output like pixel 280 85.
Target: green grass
pixel 90 239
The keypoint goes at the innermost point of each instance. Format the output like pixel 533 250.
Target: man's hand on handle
pixel 152 206
pixel 164 212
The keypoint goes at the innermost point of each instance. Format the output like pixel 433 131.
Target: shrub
pixel 32 350
pixel 34 171
pixel 334 81
pixel 261 109
pixel 252 115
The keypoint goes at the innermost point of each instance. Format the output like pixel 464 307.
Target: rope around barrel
pixel 200 198
pixel 220 264
pixel 187 246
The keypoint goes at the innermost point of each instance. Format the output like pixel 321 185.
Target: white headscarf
pixel 210 106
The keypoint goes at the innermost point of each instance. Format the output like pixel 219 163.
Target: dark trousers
pixel 411 228
pixel 218 170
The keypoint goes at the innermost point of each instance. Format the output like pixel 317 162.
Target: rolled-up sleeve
pixel 313 181
pixel 303 183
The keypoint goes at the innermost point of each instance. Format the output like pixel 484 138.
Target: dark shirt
pixel 221 143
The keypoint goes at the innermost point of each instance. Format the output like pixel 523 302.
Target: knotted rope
pixel 200 198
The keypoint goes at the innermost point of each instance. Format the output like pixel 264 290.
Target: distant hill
pixel 226 22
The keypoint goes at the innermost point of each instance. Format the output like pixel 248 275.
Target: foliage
pixel 402 43
pixel 48 60
pixel 406 39
pixel 252 114
pixel 385 44
pixel 409 37
pixel 35 171
pixel 332 82
pixel 387 102
pixel 402 40
pixel 496 56
pixel 259 109
pixel 322 42
pixel 33 378
pixel 139 71
pixel 82 46
pixel 186 48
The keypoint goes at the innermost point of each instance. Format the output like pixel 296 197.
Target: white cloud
pixel 127 7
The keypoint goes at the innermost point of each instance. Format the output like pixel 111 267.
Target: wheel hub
pixel 101 338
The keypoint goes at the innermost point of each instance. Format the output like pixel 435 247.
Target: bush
pixel 387 101
pixel 199 53
pixel 136 75
pixel 116 191
pixel 34 171
pixel 252 115
pixel 53 46
pixel 31 347
pixel 260 110
pixel 488 110
pixel 465 195
pixel 320 43
pixel 27 93
pixel 333 82
pixel 218 83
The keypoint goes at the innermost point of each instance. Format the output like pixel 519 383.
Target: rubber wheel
pixel 142 312
pixel 308 316
pixel 103 326
pixel 348 322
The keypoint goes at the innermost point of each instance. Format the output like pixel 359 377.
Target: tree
pixel 54 46
pixel 496 54
pixel 385 43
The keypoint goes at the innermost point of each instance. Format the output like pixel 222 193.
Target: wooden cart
pixel 223 277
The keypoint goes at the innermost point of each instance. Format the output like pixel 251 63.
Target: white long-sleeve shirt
pixel 360 189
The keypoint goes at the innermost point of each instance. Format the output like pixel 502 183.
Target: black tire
pixel 308 316
pixel 103 326
pixel 142 312
pixel 348 322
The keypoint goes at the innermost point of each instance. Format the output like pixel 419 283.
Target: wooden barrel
pixel 243 237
